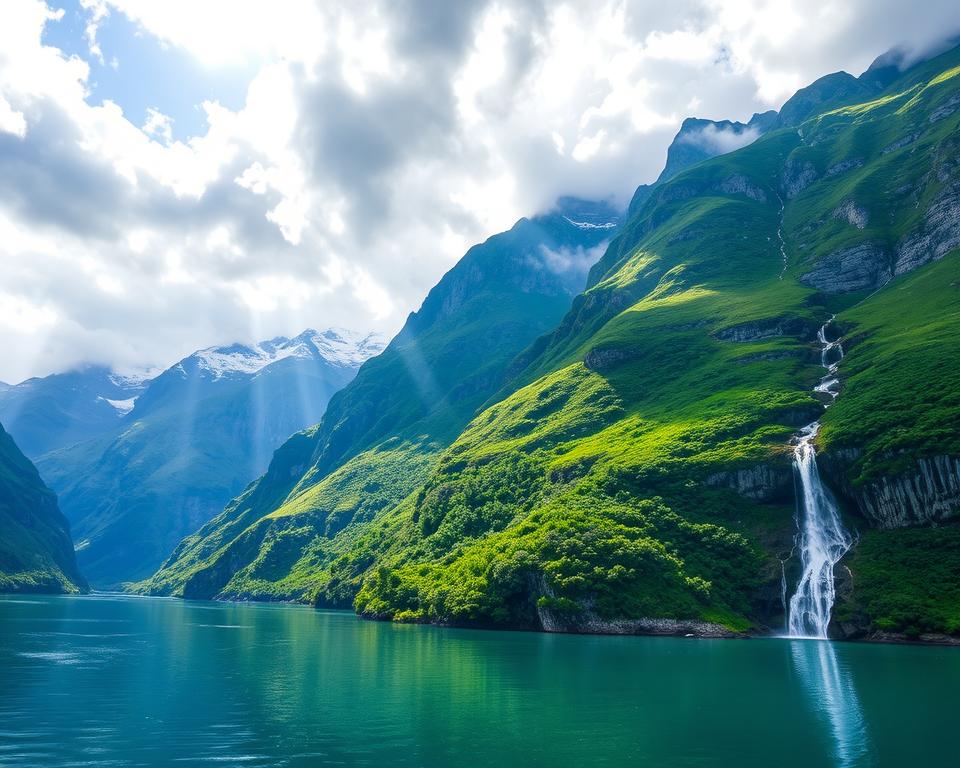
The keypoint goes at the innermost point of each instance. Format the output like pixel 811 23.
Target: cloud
pixel 376 142
pixel 720 140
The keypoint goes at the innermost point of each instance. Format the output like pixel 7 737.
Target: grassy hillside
pixel 686 367
pixel 635 461
pixel 382 434
pixel 36 554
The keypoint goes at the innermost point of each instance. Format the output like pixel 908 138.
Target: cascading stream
pixel 822 539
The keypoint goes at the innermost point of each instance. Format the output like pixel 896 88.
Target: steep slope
pixel 642 469
pixel 198 434
pixel 36 553
pixel 631 469
pixel 381 435
pixel 44 414
pixel 698 140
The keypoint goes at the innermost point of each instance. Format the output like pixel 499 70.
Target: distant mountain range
pixel 52 412
pixel 140 464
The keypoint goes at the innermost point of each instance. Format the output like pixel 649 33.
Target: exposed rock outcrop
pixel 927 495
pixel 938 235
pixel 757 330
pixel 590 623
pixel 850 269
pixel 843 166
pixel 762 482
pixel 737 184
pixel 852 213
pixel 604 359
pixel 797 177
pixel 946 109
pixel 903 141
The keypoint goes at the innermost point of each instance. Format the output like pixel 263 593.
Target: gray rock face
pixel 868 265
pixel 903 141
pixel 738 184
pixel 927 496
pixel 797 177
pixel 763 482
pixel 937 236
pixel 850 269
pixel 946 109
pixel 853 214
pixel 587 622
pixel 843 167
pixel 590 623
pixel 604 359
pixel 758 330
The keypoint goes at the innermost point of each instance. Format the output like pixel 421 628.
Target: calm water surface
pixel 103 681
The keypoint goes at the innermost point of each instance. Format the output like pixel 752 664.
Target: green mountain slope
pixel 36 553
pixel 659 413
pixel 634 465
pixel 381 435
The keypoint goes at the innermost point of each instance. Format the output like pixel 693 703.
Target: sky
pixel 185 173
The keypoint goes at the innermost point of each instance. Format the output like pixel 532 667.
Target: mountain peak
pixel 338 346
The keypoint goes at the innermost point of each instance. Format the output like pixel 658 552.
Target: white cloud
pixel 11 121
pixel 21 314
pixel 158 125
pixel 376 142
pixel 720 140
pixel 97 11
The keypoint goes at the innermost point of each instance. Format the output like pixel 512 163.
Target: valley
pixel 624 457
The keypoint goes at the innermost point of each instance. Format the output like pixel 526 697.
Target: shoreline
pixel 645 627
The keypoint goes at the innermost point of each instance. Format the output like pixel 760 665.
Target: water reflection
pixel 834 697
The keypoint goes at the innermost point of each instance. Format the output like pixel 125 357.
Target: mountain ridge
pixel 635 461
pixel 194 437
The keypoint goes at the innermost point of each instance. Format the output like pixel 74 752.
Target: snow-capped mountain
pixel 187 441
pixel 44 414
pixel 336 346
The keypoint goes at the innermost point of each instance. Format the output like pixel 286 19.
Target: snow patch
pixel 122 407
pixel 589 225
pixel 336 346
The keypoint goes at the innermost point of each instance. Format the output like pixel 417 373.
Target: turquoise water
pixel 103 681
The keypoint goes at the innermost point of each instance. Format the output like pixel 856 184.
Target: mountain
pixel 698 140
pixel 382 435
pixel 197 434
pixel 36 553
pixel 630 469
pixel 44 414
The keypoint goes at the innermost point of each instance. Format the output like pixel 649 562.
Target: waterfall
pixel 822 539
pixel 783 244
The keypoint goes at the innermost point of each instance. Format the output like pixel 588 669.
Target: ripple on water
pixel 58 657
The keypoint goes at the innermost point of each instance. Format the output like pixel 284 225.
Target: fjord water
pixel 106 680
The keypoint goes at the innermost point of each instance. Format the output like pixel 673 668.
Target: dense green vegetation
pixel 906 581
pixel 634 461
pixel 381 435
pixel 887 413
pixel 36 554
